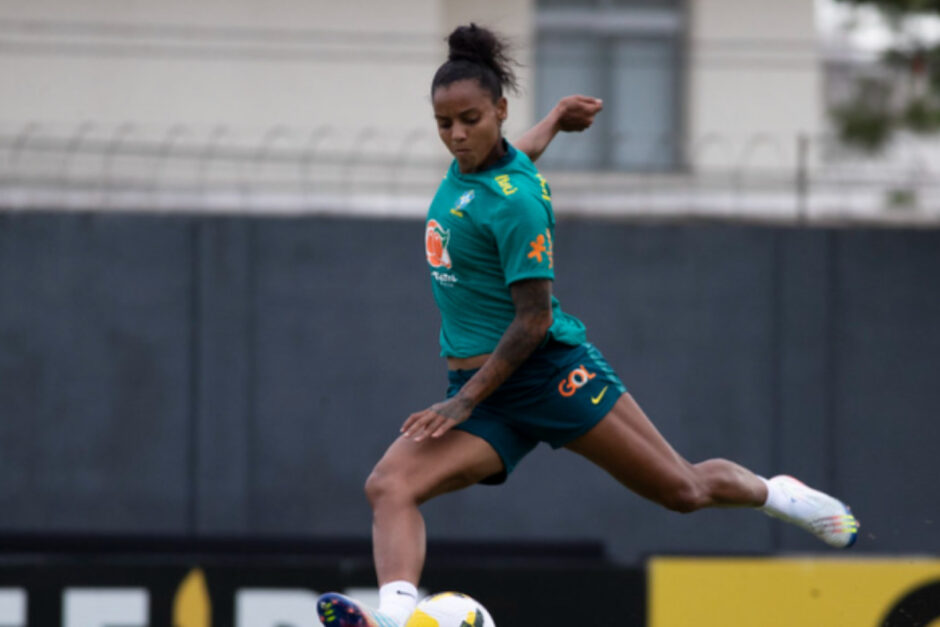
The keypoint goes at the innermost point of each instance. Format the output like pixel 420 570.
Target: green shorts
pixel 560 393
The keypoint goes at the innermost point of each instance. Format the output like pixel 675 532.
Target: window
pixel 626 52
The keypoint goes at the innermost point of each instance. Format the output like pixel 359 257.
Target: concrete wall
pixel 206 376
pixel 244 64
pixel 754 82
pixel 237 63
pixel 752 78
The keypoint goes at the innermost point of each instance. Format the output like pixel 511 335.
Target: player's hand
pixel 576 113
pixel 437 419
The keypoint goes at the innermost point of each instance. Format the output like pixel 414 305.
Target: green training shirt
pixel 486 230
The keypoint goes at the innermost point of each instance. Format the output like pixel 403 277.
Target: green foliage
pixel 869 122
pixel 932 57
pixel 901 198
pixel 921 116
pixel 862 127
pixel 900 7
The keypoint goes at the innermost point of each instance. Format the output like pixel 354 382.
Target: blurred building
pixel 711 107
pixel 668 70
pixel 688 86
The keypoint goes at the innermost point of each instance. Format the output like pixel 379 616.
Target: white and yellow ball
pixel 450 609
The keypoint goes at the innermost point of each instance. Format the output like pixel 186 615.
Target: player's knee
pixel 382 485
pixel 378 487
pixel 685 497
pixel 387 485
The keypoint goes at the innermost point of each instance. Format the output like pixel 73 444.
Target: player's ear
pixel 502 109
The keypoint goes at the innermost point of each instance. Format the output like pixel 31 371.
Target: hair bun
pixel 474 44
pixel 481 46
pixel 477 52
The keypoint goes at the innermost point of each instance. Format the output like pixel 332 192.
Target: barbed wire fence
pixel 374 172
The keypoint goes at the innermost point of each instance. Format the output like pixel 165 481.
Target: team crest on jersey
pixel 436 238
pixel 463 202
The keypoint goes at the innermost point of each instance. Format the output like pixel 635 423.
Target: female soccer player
pixel 520 369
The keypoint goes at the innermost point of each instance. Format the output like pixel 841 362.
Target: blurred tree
pixel 901 7
pixel 911 98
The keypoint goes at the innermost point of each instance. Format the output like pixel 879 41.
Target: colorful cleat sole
pixel 337 610
pixel 839 526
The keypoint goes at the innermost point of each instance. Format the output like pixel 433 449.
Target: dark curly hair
pixel 477 53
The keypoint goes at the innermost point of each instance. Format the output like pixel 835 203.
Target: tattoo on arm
pixel 533 303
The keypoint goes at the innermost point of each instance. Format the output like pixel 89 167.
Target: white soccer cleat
pixel 828 518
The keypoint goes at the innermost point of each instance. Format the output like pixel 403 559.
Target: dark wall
pixel 516 590
pixel 222 375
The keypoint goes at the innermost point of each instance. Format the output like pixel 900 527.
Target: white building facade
pixel 304 104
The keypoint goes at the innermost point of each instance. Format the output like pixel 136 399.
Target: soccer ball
pixel 450 609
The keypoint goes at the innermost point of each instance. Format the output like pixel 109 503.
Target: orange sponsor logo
pixel 542 245
pixel 575 380
pixel 436 238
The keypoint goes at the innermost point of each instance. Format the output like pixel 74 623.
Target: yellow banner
pixel 806 592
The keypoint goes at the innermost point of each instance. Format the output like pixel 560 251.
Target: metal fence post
pixel 802 178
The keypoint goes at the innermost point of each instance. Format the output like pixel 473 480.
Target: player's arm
pixel 572 113
pixel 532 299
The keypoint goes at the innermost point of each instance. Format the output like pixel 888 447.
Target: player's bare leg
pixel 408 474
pixel 627 445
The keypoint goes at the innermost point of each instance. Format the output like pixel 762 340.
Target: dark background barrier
pixel 527 584
pixel 205 376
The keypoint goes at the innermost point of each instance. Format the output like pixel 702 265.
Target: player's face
pixel 469 123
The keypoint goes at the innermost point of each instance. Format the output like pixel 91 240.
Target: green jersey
pixel 486 230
